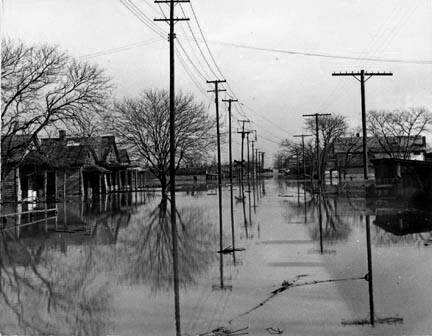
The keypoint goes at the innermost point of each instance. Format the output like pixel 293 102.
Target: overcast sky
pixel 276 87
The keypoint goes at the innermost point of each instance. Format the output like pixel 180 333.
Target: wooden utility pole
pixel 172 21
pixel 360 76
pixel 242 132
pixel 216 91
pixel 303 151
pixel 317 115
pixel 230 101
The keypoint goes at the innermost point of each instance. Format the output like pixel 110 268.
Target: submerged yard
pixel 106 267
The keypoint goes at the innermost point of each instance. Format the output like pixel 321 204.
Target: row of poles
pixel 361 76
pixel 172 20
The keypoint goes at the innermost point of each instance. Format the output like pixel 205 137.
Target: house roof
pixel 15 147
pixel 67 152
pixel 396 144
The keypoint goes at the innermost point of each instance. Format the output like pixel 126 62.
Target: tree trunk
pixel 164 185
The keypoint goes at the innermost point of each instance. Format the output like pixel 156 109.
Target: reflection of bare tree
pixel 146 251
pixel 334 226
pixel 47 293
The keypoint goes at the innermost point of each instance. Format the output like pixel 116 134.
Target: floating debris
pixel 229 249
pixel 223 331
pixel 366 321
pixel 274 331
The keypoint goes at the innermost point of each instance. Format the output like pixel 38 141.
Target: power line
pixel 198 45
pixel 269 140
pixel 120 49
pixel 324 55
pixel 191 62
pixel 143 18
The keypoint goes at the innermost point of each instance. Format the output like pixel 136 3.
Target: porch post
pixel 18 185
pixel 64 185
pixel 100 183
pixel 119 182
pixel 136 180
pixel 45 182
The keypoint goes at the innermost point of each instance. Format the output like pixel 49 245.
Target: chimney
pixel 62 134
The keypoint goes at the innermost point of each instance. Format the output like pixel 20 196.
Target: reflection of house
pixel 71 166
pixel 347 155
pixel 76 224
pixel 404 222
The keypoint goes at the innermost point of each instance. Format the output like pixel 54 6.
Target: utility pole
pixel 216 91
pixel 242 132
pixel 303 151
pixel 317 115
pixel 230 101
pixel 172 21
pixel 360 76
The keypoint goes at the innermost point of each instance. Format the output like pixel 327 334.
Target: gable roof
pixel 67 152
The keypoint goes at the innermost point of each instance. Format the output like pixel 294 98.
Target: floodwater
pixel 106 268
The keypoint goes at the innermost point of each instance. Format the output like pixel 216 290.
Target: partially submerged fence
pixel 21 219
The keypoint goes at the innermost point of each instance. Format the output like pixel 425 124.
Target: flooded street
pixel 106 268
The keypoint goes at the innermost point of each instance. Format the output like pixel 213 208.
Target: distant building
pixel 347 153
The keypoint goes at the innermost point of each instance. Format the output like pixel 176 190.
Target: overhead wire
pixel 137 12
pixel 120 49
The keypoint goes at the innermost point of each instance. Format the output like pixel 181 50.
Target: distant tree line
pixel 396 133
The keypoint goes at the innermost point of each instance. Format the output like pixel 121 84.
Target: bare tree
pixel 345 149
pixel 399 132
pixel 288 153
pixel 331 128
pixel 43 87
pixel 142 125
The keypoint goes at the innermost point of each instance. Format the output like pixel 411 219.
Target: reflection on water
pixel 58 277
pixel 64 276
pixel 44 292
pixel 144 252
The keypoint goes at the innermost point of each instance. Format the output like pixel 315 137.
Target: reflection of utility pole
pixel 317 115
pixel 256 173
pixel 262 161
pixel 253 170
pixel 303 150
pixel 230 101
pixel 216 91
pixel 320 224
pixel 248 179
pixel 362 81
pixel 172 21
pixel 369 277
